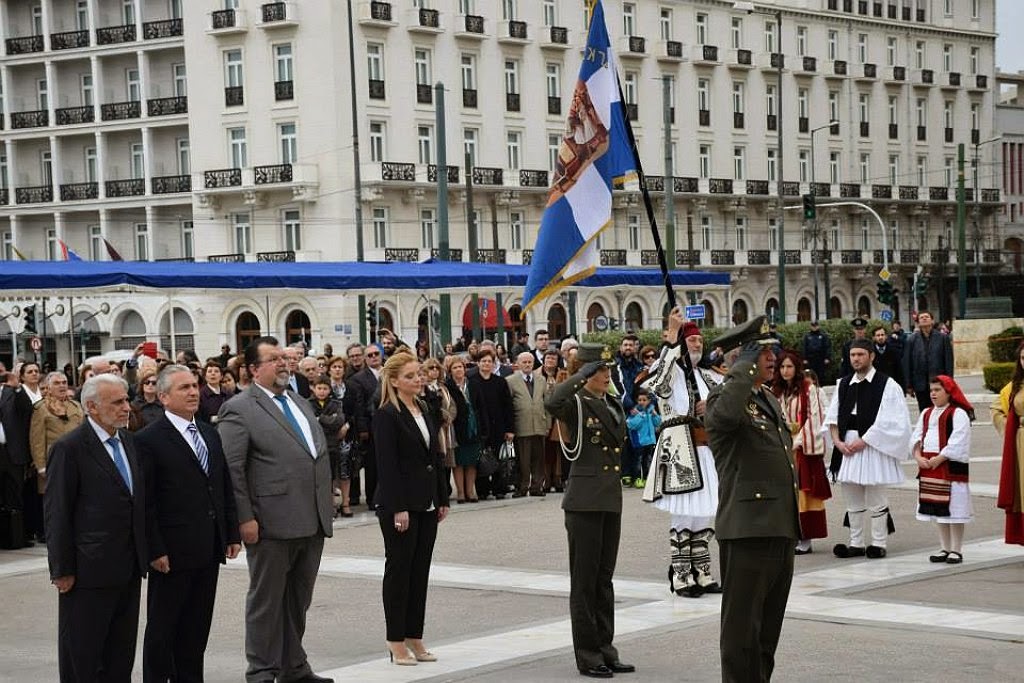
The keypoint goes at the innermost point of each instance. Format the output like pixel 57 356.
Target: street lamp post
pixel 814 226
pixel 750 8
pixel 977 213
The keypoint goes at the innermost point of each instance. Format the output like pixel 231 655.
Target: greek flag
pixel 594 154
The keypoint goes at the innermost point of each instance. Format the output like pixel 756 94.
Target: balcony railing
pixel 76 192
pixel 469 98
pixel 938 194
pixel 223 18
pixel 169 184
pixel 38 194
pixel 922 133
pixel 488 176
pixel 511 101
pixel 226 258
pixel 975 136
pixel 687 184
pixel 927 76
pixel 674 48
pixel 68 116
pixel 810 64
pixel 759 257
pixel 475 24
pixel 790 188
pixel 637 44
pixel 284 90
pixel 821 189
pixel 489 256
pixel 429 18
pixel 777 60
pixel 849 190
pixel 791 257
pixel 720 185
pixel 274 11
pixel 881 191
pixel 559 35
pixel 821 256
pixel 517 29
pixel 275 256
pixel 30 119
pixel 899 73
pixel 112 35
pixel 704 117
pixel 709 53
pixel 757 187
pixel 166 106
pixel 532 178
pixel 878 256
pixel 908 192
pixel 234 96
pixel 68 40
pixel 166 28
pixel 274 173
pixel 773 122
pixel 554 105
pixel 376 89
pixel 454 255
pixel 24 45
pixel 990 194
pixel 839 67
pixel 910 256
pixel 130 187
pixel 948 135
pixel 981 81
pixel 224 177
pixel 632 111
pixel 954 78
pixel 380 11
pixel 723 257
pixel 870 70
pixel 851 257
pixel 5 196
pixel 424 93
pixel 613 257
pixel 744 57
pixel 803 124
pixel 894 131
pixel 120 111
pixel 400 255
pixel 452 173
pixel 393 170
pixel 737 119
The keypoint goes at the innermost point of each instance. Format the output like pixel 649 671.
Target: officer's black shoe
pixel 875 552
pixel 693 591
pixel 599 671
pixel 621 668
pixel 844 551
pixel 713 588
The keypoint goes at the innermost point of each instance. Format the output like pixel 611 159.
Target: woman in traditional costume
pixel 1008 418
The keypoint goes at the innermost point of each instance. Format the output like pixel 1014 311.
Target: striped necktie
pixel 121 462
pixel 202 452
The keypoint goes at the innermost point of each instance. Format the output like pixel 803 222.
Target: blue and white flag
pixel 595 152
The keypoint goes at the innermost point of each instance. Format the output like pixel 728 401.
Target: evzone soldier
pixel 870 427
pixel 682 480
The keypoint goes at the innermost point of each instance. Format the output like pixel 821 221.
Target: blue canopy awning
pixel 355 276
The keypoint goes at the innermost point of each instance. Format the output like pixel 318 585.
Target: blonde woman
pixel 411 500
pixel 442 407
pixel 52 418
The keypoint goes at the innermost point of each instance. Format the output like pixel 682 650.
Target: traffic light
pixel 371 314
pixel 810 209
pixel 922 285
pixel 30 319
pixel 886 293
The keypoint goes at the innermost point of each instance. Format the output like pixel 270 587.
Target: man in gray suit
pixel 532 424
pixel 277 455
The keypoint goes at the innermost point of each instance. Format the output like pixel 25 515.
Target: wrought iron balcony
pixel 453 173
pixel 490 256
pixel 284 90
pixel 851 257
pixel 37 194
pixel 839 67
pixel 833 129
pixel 910 256
pixel 990 194
pixel 820 256
pixel 393 170
pixel 791 257
pixel 376 89
pixel 759 257
pixel 275 256
pixel 67 116
pixel 554 105
pixel 744 57
pixel 954 78
pixel 475 24
pixel 75 192
pixel 723 257
pixel 894 131
pixel 704 117
pixel 68 40
pixel 400 255
pixel 223 18
pixel 30 119
pixel 810 64
pixel 429 18
pixel 908 192
pixel 948 135
pixel 274 11
pixel 709 53
pixel 790 188
pixel 532 178
pixel 165 28
pixel 512 101
pixel 939 256
pixel 24 45
pixel 878 256
pixel 654 183
pixel 927 76
pixel 273 173
pixel 234 96
pixel 777 60
pixel 981 81
pixel 759 187
pixel 488 176
pixel 870 71
pixel 113 35
pixel 881 191
pixel 380 11
pixel 772 122
pixel 919 15
pixel 637 44
pixel 975 136
pixel 938 194
pixel 226 258
pixel 454 255
pixel 821 189
pixel 849 190
pixel 559 35
pixel 803 124
pixel 224 177
pixel 5 196
pixel 899 73
pixel 613 257
pixel 469 98
pixel 119 111
pixel 720 185
pixel 632 111
pixel 674 48
pixel 130 187
pixel 424 93
pixel 517 29
pixel 922 133
pixel 170 184
pixel 166 106
pixel 687 184
pixel 686 257
pixel 737 119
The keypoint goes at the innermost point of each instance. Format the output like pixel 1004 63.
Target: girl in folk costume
pixel 1008 418
pixel 941 445
pixel 804 406
pixel 682 480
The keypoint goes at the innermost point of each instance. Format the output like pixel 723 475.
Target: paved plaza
pixel 498 606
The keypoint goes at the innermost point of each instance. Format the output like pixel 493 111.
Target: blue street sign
pixel 695 312
pixel 886 315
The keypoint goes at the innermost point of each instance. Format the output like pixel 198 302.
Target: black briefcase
pixel 12 529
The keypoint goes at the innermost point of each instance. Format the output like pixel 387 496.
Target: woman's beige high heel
pixel 423 655
pixel 402 660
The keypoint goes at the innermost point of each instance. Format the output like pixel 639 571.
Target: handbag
pixel 507 463
pixel 488 462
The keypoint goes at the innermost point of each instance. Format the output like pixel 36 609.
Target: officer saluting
pixel 592 505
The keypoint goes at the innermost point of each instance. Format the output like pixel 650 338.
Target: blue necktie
pixel 290 416
pixel 202 452
pixel 120 462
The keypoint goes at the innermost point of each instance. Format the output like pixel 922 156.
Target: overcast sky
pixel 1009 47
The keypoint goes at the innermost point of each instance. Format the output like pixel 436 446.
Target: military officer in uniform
pixel 592 505
pixel 757 523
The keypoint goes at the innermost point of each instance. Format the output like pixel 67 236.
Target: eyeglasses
pixel 280 360
pixel 649 355
pixel 149 381
pixel 373 354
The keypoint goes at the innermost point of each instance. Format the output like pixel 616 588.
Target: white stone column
pixel 147 157
pixel 101 163
pixel 105 227
pixel 58 226
pixel 15 230
pixel 56 166
pixel 5 87
pixel 138 19
pixel 51 90
pixel 150 225
pixel 144 94
pixel 47 12
pixel 93 25
pixel 12 178
pixel 97 88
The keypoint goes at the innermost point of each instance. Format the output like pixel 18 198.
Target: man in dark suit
pixel 361 389
pixel 281 473
pixel 96 537
pixel 297 382
pixel 757 522
pixel 593 507
pixel 191 526
pixel 15 416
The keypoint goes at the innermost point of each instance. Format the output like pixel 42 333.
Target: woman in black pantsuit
pixel 411 500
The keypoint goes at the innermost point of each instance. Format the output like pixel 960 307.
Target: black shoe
pixel 693 591
pixel 954 558
pixel 842 550
pixel 313 678
pixel 800 551
pixel 875 552
pixel 713 588
pixel 599 671
pixel 620 668
pixel 942 556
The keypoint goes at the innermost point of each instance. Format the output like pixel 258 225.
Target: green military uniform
pixel 593 510
pixel 757 522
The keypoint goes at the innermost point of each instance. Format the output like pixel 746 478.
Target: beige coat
pixel 531 419
pixel 45 429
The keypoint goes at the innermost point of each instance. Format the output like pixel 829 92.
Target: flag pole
pixel 662 262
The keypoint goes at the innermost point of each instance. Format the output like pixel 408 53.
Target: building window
pixel 508 10
pixel 772 172
pixel 739 163
pixel 893 110
pixel 628 18
pixel 515 230
pixel 705 232
pixel 894 169
pixel 87 91
pixel 801 102
pixel 554 144
pixel 865 235
pixel 90 165
pixel 550 13
pixel 284 66
pixel 141 242
pixel 801 40
pixel 188 244
pixel 178 74
pixel 633 231
pixel 128 11
pixel 704 161
pixel 769 92
pixel 769 37
pixel 737 97
pixel 421 59
pixel 239 148
pixel 741 233
pixel 834 234
pixel 425 143
pixel 773 234
pixel 975 116
pixel 428 221
pixel 629 87
pixel 468 71
pixel 138 161
pixel 833 167
pixel 95 243
pixel 703 94
pixel 919 60
pixel 921 110
pixel 554 79
pixel 243 233
pixel 52 248
pixel 975 9
pixel 43 93
pixel 803 165
pixel 702 28
pixel 375 61
pixel 184 157
pixel 737 33
pixel 380 227
pixel 862 47
pixel 132 85
pixel 974 60
pixel 922 171
pixel 947 114
pixel 833 45
pixel 467 7
pixel 864 108
pixel 865 168
pixel 890 51
pixel 378 131
pixel 46 165
pixel 947 172
pixel 469 138
pixel 665 22
pixel 233 71
pixel 511 77
pixel 833 105
pixel 82 15
pixel 289 143
pixel 7 246
pixel 947 57
pixel 513 147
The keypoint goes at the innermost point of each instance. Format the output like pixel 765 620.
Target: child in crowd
pixel 643 422
pixel 941 445
pixel 331 417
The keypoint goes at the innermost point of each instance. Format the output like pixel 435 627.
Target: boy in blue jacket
pixel 643 422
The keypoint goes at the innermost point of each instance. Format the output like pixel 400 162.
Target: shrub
pixel 1003 345
pixel 997 375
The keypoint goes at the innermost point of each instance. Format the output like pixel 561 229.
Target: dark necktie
pixel 202 452
pixel 529 384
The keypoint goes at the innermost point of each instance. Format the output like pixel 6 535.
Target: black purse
pixel 488 463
